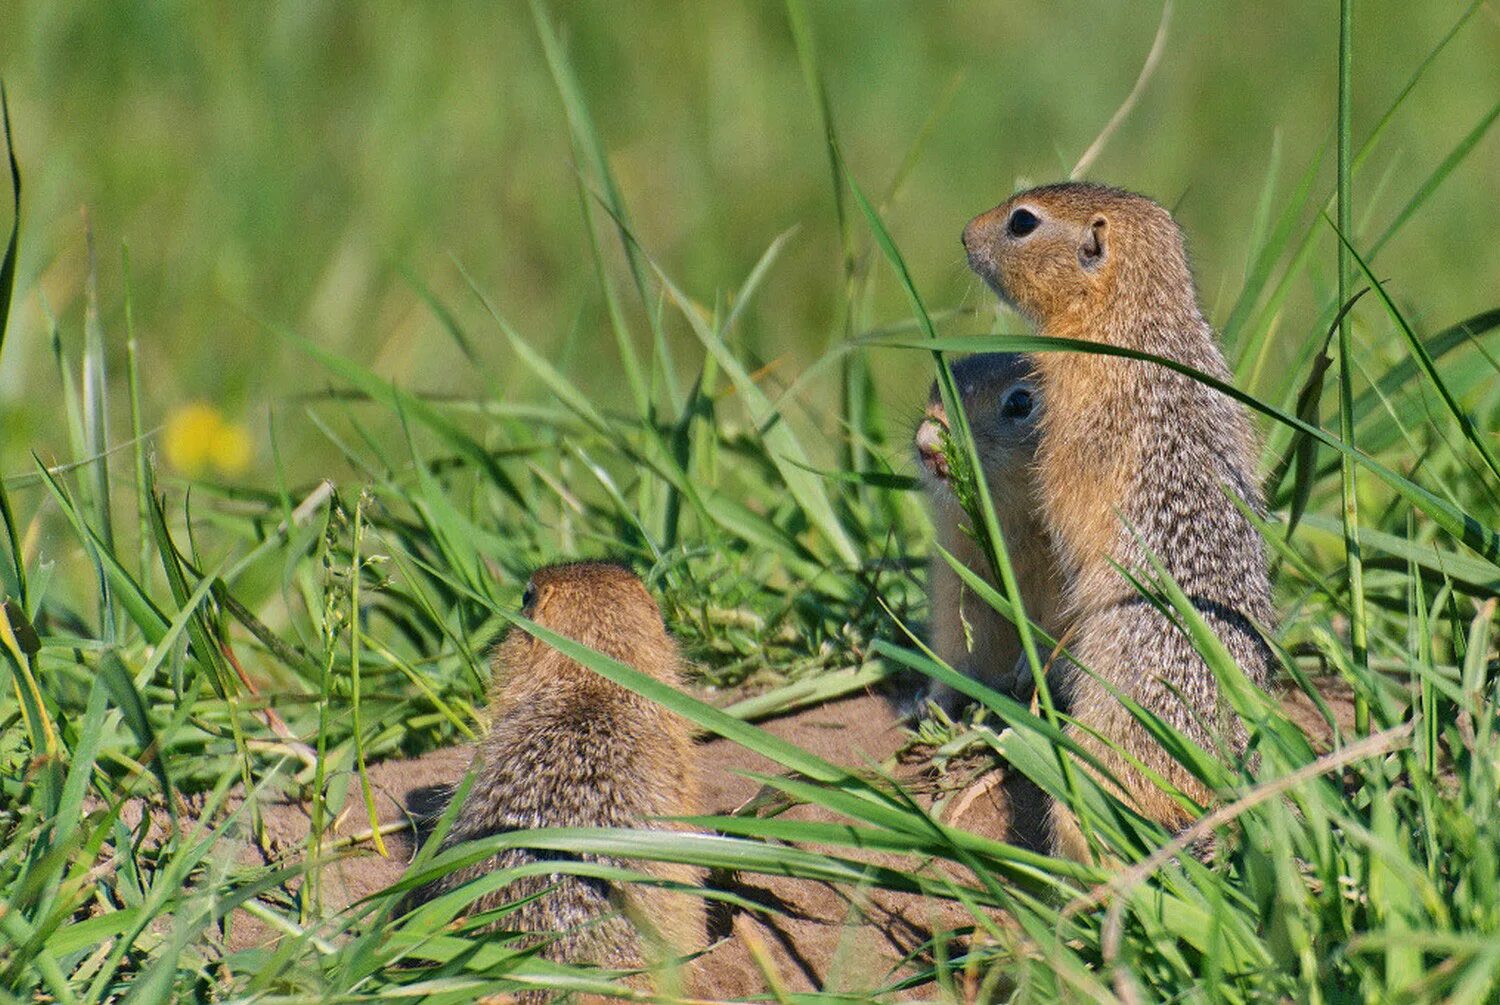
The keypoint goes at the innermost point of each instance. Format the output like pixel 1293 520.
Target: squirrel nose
pixel 980 230
pixel 978 241
pixel 969 235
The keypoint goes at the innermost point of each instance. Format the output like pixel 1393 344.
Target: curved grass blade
pixel 7 291
pixel 122 689
pixel 383 391
pixel 1425 362
pixel 1436 179
pixel 782 446
pixel 1464 527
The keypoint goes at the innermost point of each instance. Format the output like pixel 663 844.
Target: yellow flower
pixel 198 437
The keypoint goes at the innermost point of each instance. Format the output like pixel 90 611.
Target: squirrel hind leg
pixel 1140 793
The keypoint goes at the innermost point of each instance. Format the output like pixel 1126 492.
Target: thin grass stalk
pixel 356 564
pixel 137 425
pixel 1258 345
pixel 7 290
pixel 329 638
pixel 96 423
pixel 853 372
pixel 1358 628
pixel 587 142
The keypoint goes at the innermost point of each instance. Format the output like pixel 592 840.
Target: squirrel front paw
pixel 1017 682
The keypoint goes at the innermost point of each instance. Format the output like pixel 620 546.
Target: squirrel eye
pixel 528 598
pixel 1017 404
pixel 1022 222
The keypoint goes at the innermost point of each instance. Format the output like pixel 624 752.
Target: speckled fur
pixel 567 748
pixel 1005 446
pixel 1127 444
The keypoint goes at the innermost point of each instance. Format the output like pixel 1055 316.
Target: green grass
pixel 729 416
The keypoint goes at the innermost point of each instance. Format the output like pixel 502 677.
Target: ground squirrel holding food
pixel 1133 458
pixel 1002 400
pixel 568 748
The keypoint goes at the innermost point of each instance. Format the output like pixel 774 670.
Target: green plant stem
pixel 1358 631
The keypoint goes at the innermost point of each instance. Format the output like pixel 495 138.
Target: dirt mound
pixel 821 937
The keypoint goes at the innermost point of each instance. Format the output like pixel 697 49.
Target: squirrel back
pixel 568 748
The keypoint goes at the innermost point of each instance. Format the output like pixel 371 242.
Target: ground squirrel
pixel 1133 457
pixel 568 748
pixel 1001 398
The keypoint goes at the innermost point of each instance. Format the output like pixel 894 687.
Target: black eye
pixel 529 597
pixel 1017 404
pixel 1021 223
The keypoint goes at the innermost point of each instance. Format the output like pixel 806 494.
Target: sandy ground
pixel 822 937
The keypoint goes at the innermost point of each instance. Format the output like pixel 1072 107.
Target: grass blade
pixel 1358 626
pixel 427 415
pixel 7 292
pixel 1425 362
pixel 782 445
pixel 586 139
pixel 1463 526
pixel 1434 180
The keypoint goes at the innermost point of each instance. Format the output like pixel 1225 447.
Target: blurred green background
pixel 285 163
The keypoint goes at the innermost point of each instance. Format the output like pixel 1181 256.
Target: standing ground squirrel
pixel 1132 458
pixel 1003 403
pixel 568 748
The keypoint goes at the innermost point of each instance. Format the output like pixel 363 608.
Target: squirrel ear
pixel 1092 251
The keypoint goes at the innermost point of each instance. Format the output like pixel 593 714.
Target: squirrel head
pixel 599 604
pixel 1070 255
pixel 1002 399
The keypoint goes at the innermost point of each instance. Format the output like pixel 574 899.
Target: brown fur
pixel 1005 444
pixel 568 748
pixel 1130 448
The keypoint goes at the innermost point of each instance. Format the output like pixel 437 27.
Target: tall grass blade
pixel 1148 70
pixel 115 677
pixel 426 414
pixel 1376 426
pixel 1353 562
pixel 1301 454
pixel 96 400
pixel 356 573
pixel 853 371
pixel 7 292
pixel 1435 180
pixel 1462 525
pixel 132 596
pixel 19 643
pixel 1258 346
pixel 200 630
pixel 993 538
pixel 586 139
pixel 138 441
pixel 785 451
pixel 445 318
pixel 1424 360
pixel 1371 141
pixel 640 393
pixel 12 244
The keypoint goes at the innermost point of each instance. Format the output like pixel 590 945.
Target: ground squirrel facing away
pixel 1001 398
pixel 1133 457
pixel 568 748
